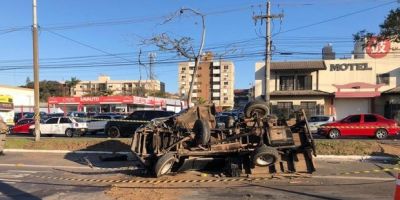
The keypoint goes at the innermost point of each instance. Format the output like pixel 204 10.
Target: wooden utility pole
pixel 267 18
pixel 36 71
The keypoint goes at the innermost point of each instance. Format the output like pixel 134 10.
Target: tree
pixel 71 84
pixel 389 29
pixel 183 46
pixel 47 89
pixel 28 80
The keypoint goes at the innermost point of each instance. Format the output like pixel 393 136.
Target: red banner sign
pixel 107 100
pixel 377 49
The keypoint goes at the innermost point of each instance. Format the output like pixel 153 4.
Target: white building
pixel 22 97
pixel 366 83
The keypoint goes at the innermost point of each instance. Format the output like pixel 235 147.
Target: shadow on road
pixel 15 193
pixel 104 161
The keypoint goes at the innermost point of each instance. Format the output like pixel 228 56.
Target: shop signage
pixel 377 49
pixel 350 67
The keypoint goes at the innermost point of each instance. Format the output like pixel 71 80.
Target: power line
pixel 335 18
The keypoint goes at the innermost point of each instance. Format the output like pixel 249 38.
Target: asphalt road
pixel 22 177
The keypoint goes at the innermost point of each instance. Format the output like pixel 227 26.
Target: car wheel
pixel 264 156
pixel 201 129
pixel 164 164
pixel 381 134
pixel 113 132
pixel 334 133
pixel 69 133
pixel 256 107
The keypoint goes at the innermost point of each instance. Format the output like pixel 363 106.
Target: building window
pixel 214 98
pixel 216 75
pixel 285 105
pixel 304 83
pixel 225 83
pixel 286 83
pixel 226 66
pixel 383 79
pixel 183 77
pixel 215 90
pixel 183 68
pixel 225 98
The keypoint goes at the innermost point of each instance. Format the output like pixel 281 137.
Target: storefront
pixel 119 104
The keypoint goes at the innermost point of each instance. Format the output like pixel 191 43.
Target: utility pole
pixel 152 57
pixel 267 18
pixel 36 70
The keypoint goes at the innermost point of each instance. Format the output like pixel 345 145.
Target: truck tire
pixel 264 156
pixel 256 107
pixel 202 132
pixel 164 164
pixel 113 132
pixel 69 132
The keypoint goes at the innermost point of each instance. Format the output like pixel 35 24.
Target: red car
pixel 370 125
pixel 22 126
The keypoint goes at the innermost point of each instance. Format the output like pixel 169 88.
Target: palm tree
pixel 71 84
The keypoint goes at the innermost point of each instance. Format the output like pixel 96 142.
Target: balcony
pixel 216 71
pixel 216 87
pixel 216 79
pixel 216 94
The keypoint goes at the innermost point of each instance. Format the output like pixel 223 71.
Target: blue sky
pixel 87 38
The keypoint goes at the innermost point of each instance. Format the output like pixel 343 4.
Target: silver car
pixel 315 121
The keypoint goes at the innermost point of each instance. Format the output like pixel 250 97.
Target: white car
pixel 98 123
pixel 316 121
pixel 67 126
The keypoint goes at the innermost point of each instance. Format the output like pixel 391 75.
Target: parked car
pixel 316 121
pixel 370 125
pixel 125 128
pixel 98 122
pixel 22 126
pixel 28 115
pixel 67 126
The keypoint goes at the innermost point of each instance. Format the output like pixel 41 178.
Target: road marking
pixel 356 178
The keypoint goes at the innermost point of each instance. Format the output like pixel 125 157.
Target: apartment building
pixel 105 86
pixel 213 83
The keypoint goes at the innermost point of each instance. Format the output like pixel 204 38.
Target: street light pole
pixel 198 56
pixel 36 70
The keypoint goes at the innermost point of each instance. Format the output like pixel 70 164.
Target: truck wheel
pixel 202 130
pixel 264 156
pixel 256 107
pixel 69 133
pixel 113 132
pixel 381 134
pixel 164 164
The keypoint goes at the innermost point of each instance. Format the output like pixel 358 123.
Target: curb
pixel 319 157
pixel 354 158
pixel 62 151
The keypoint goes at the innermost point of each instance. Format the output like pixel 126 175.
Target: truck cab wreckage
pixel 257 139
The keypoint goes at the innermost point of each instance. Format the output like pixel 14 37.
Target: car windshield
pixel 318 119
pixel 79 120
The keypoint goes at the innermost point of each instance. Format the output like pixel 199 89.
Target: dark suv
pixel 126 128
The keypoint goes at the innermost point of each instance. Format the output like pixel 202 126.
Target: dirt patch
pixel 158 193
pixel 352 147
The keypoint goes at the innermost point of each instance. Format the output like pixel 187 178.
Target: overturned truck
pixel 257 139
